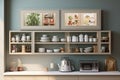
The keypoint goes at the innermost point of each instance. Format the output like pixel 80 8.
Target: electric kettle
pixel 65 65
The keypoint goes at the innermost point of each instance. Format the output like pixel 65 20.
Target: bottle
pixel 23 48
pixel 86 38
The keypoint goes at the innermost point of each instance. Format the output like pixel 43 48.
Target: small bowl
pixel 44 35
pixel 62 39
pixel 56 50
pixel 49 51
pixel 94 39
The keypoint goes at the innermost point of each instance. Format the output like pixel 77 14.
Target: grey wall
pixel 110 21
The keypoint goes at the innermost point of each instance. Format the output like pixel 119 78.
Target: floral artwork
pixel 88 19
pixel 72 19
pixel 81 19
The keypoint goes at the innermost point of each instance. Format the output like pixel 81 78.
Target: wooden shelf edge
pixel 59 53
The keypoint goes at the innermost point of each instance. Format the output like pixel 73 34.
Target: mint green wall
pixel 110 21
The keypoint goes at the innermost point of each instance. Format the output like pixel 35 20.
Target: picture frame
pixel 40 20
pixel 81 19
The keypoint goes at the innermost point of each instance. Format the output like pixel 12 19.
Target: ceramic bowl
pixel 49 51
pixel 62 39
pixel 44 35
pixel 56 50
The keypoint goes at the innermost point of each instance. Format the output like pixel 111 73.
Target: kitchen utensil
pixel 110 64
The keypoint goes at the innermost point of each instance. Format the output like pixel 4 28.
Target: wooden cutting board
pixel 110 64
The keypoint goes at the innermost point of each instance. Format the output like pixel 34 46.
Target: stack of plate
pixel 88 49
pixel 44 38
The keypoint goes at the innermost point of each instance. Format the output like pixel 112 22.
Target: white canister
pixel 13 39
pixel 77 38
pixel 17 38
pixel 86 38
pixel 41 50
pixel 68 38
pixel 90 39
pixel 81 38
pixel 28 38
pixel 103 49
pixel 74 38
pixel 23 38
pixel 94 39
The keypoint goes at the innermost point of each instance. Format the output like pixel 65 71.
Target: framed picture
pixel 40 20
pixel 80 19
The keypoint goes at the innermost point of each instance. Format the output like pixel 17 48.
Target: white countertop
pixel 60 73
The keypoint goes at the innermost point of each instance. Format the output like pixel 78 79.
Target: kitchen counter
pixel 59 73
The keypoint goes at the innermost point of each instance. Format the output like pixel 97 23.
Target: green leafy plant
pixel 33 19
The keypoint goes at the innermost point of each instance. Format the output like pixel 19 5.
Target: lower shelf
pixel 60 53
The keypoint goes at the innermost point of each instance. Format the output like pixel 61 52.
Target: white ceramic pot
pixel 42 50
